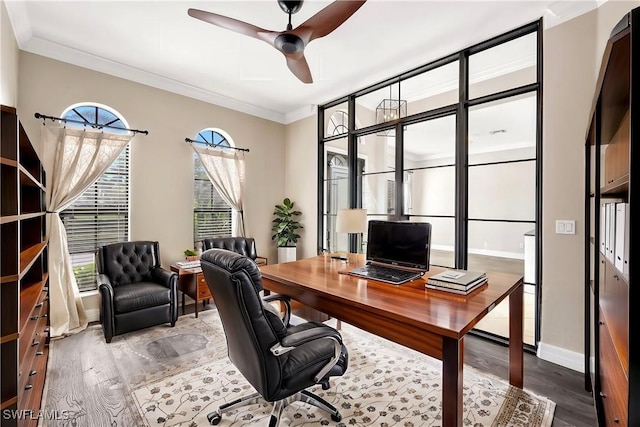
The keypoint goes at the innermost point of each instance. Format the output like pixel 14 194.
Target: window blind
pixel 211 214
pixel 100 216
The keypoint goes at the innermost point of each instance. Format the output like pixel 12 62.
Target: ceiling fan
pixel 291 42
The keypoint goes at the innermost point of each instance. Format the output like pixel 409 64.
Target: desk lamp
pixel 351 221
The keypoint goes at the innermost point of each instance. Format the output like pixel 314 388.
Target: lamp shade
pixel 351 221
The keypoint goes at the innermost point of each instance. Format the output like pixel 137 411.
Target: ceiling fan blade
pixel 299 67
pixel 327 20
pixel 234 25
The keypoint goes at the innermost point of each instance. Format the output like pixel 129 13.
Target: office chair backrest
pixel 234 282
pixel 128 262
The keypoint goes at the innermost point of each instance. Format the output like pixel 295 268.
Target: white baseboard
pixel 93 315
pixel 560 356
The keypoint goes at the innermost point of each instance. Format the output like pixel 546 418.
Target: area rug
pixel 385 385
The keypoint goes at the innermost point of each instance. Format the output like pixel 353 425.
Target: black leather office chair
pixel 136 292
pixel 243 245
pixel 279 360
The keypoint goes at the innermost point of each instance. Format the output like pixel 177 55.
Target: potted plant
pixel 191 255
pixel 284 227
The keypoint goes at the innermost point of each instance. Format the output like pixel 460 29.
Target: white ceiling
pixel 156 43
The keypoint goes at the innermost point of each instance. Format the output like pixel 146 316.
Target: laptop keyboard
pixel 385 274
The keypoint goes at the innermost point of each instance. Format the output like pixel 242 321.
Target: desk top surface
pixel 437 311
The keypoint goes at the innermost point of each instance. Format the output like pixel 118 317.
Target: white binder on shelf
pixel 612 232
pixel 625 258
pixel 607 229
pixel 603 228
pixel 620 235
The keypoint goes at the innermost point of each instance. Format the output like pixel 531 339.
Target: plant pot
pixel 286 254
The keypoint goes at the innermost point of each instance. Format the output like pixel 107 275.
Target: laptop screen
pixel 405 244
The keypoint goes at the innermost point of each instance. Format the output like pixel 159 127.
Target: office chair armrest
pixel 287 303
pixel 164 277
pixel 292 341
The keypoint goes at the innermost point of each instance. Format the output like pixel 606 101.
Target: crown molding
pixel 113 68
pixel 562 11
pixel 300 113
pixel 19 18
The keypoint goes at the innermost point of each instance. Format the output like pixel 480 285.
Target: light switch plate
pixel 565 226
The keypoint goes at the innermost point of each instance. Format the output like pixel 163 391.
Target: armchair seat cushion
pixel 137 296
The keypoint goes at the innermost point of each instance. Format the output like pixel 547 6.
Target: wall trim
pixel 93 315
pixel 561 356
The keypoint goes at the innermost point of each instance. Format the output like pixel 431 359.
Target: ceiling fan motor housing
pixel 290 6
pixel 289 43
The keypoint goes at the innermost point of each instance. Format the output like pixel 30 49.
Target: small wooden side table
pixel 191 282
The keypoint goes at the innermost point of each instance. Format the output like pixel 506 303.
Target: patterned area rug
pixel 385 385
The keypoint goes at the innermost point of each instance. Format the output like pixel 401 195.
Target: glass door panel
pixel 506 66
pixel 376 175
pixel 429 182
pixel 502 200
pixel 432 89
pixel 336 192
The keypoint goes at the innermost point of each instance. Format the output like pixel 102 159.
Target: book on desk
pixel 460 282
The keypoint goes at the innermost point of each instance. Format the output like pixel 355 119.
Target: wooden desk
pixel 191 282
pixel 431 322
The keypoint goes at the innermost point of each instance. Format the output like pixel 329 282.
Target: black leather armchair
pixel 279 360
pixel 242 245
pixel 136 292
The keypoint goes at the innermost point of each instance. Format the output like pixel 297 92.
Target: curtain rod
pixel 93 125
pixel 215 145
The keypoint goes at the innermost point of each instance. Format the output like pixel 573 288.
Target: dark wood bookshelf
pixel 24 314
pixel 612 361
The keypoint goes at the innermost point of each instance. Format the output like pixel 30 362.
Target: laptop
pixel 397 252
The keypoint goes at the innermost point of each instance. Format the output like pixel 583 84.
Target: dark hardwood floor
pixel 574 405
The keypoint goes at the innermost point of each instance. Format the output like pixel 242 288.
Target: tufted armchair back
pixel 245 246
pixel 128 262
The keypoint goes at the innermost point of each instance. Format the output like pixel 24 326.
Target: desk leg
pixel 452 359
pixel 516 313
pixel 196 304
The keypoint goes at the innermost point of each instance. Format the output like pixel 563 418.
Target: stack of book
pixel 460 282
pixel 188 264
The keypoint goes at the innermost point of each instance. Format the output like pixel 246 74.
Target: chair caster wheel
pixel 337 417
pixel 214 418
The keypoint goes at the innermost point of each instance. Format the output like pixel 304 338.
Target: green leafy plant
pixel 190 252
pixel 285 224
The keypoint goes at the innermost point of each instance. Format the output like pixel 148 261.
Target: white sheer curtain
pixel 73 160
pixel 225 169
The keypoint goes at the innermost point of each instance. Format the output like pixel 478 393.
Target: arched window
pixel 101 215
pixel 338 123
pixel 212 216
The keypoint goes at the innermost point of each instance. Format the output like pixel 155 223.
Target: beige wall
pixel 8 61
pixel 162 163
pixel 572 55
pixel 301 179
